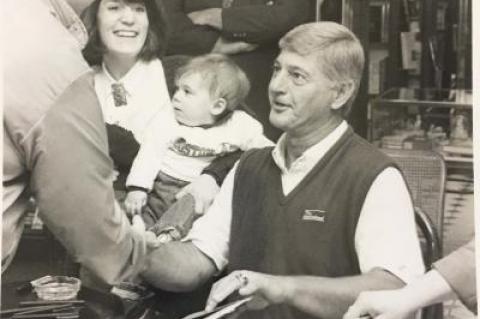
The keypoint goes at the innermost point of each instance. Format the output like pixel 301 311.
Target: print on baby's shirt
pixel 180 146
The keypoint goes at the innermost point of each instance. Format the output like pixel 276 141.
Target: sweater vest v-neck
pixel 309 231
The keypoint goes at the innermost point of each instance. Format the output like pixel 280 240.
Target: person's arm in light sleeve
pixel 401 303
pixel 160 131
pixel 142 176
pixel 458 269
pixel 146 165
pixel 182 266
pixel 72 182
pixel 330 297
pixel 450 276
pixel 388 213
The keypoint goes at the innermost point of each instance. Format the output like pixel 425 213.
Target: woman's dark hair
pixel 155 42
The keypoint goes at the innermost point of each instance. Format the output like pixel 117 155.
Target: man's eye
pixel 275 68
pixel 298 77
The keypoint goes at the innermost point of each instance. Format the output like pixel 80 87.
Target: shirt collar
pixel 129 81
pixel 313 154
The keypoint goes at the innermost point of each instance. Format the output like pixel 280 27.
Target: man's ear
pixel 218 106
pixel 344 93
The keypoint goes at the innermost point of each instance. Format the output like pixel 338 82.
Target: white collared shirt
pixel 148 103
pixel 292 176
pixel 385 237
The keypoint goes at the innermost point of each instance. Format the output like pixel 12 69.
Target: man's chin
pixel 277 121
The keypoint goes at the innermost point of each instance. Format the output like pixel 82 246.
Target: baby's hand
pixel 134 201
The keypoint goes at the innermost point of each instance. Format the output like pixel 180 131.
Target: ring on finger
pixel 242 279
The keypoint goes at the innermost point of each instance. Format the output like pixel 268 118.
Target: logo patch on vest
pixel 315 215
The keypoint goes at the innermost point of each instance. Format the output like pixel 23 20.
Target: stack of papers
pixel 219 312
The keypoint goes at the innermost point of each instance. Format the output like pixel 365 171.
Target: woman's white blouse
pixel 148 103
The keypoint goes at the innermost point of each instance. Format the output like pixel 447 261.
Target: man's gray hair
pixel 340 55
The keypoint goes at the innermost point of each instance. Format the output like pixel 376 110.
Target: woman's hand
pixel 135 201
pixel 203 189
pixel 265 289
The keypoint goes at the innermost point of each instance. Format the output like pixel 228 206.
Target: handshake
pixel 172 225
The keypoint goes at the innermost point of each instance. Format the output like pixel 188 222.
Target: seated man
pixel 307 225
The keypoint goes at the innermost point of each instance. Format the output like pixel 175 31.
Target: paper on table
pixel 219 312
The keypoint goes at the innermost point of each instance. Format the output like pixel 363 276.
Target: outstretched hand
pixel 265 289
pixel 138 226
pixel 383 304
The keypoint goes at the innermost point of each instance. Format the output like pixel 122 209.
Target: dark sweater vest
pixel 311 230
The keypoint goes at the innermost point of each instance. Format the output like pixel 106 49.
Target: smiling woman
pixel 154 41
pixel 123 29
pixel 125 38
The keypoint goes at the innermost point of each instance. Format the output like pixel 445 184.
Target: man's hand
pixel 383 304
pixel 138 226
pixel 135 201
pixel 203 189
pixel 265 289
pixel 227 47
pixel 211 17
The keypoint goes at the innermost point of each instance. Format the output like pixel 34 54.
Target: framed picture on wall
pixel 378 22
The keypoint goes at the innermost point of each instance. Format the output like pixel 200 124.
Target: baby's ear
pixel 218 107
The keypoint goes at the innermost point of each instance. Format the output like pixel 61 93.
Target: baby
pixel 206 125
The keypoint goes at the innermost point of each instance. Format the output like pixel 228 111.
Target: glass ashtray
pixel 57 288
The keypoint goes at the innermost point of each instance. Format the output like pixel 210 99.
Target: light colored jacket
pixel 55 145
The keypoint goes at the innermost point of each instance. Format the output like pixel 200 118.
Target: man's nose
pixel 278 83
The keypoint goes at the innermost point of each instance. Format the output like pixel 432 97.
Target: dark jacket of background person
pixel 260 22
